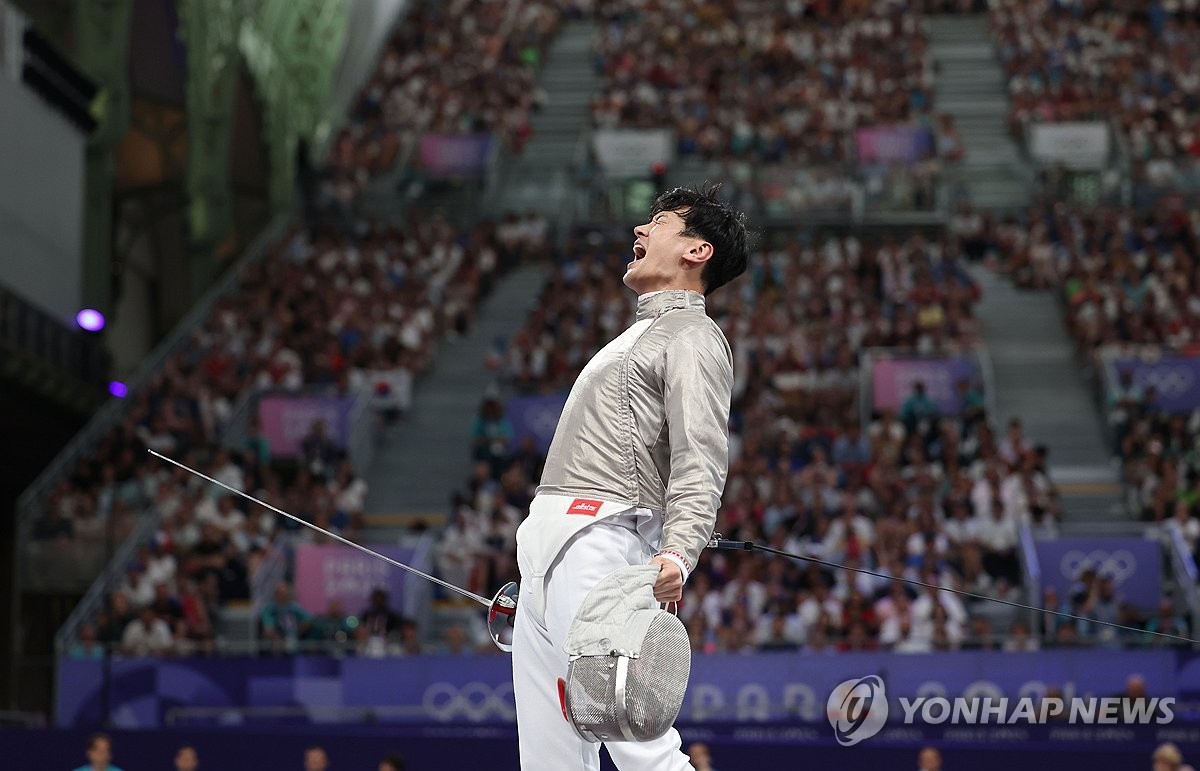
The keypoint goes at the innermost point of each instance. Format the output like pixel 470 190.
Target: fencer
pixel 635 471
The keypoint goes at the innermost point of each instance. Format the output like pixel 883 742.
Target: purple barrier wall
pixel 892 144
pixel 286 420
pixel 139 693
pixel 892 380
pixel 535 416
pixel 1134 564
pixel 445 156
pixel 1176 380
pixel 325 573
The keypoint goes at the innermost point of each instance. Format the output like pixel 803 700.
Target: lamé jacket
pixel 646 426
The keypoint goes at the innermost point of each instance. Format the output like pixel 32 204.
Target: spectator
pixel 701 758
pixel 392 762
pixel 88 646
pixel 459 548
pixel 146 635
pixel 315 759
pixel 319 451
pixel 99 754
pixel 283 621
pixel 919 413
pixel 257 445
pixel 410 639
pixel 1165 622
pixel 187 759
pixel 929 759
pixel 1167 757
pixel 334 626
pixel 491 435
pixel 349 498
pixel 379 623
pixel 1185 524
pixel 1019 639
pixel 1101 604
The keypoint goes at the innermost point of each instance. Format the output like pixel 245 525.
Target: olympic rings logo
pixel 1120 564
pixel 1168 381
pixel 476 701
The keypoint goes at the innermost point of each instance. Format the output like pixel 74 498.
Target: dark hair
pixel 706 216
pixel 395 761
pixel 97 737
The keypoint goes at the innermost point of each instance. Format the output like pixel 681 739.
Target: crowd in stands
pixel 921 492
pixel 786 85
pixel 460 67
pixel 779 83
pixel 318 315
pixel 1129 285
pixel 1133 62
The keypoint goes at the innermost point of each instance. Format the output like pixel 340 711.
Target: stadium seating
pixel 915 494
pixel 1127 284
pixel 1129 62
pixel 382 301
pixel 804 78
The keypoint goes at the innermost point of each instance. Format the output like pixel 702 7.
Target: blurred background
pixel 350 255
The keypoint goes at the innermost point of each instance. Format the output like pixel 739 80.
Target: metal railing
pixel 1185 574
pixel 94 598
pixel 1031 573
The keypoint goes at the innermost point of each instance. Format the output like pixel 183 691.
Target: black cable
pixel 722 543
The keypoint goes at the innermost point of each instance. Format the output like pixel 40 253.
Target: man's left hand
pixel 669 586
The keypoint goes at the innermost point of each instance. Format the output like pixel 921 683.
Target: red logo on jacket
pixel 587 508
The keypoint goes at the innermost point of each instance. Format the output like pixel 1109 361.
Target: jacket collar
pixel 657 303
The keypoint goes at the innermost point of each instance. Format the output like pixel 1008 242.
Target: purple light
pixel 118 389
pixel 89 319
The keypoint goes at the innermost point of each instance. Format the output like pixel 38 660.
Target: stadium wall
pixel 41 202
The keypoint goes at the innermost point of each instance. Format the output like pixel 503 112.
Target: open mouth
pixel 639 251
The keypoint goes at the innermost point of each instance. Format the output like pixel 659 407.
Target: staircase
pixel 971 87
pixel 427 456
pixel 1037 379
pixel 540 178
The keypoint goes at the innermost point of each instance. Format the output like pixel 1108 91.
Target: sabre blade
pixel 323 531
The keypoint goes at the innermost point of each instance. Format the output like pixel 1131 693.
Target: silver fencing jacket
pixel 646 426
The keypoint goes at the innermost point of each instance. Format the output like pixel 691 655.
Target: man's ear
pixel 699 254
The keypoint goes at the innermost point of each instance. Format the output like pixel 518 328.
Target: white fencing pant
pixel 546 739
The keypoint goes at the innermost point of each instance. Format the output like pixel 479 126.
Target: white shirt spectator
pixel 160 569
pixel 137 590
pixel 998 533
pixel 752 593
pixel 961 531
pixel 835 539
pixel 353 497
pixel 232 475
pixel 1188 528
pixel 228 521
pixel 142 640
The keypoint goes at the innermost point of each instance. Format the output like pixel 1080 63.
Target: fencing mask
pixel 629 661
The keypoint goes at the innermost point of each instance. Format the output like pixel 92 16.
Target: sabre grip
pixel 724 543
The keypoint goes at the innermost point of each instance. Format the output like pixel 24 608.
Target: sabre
pixel 501 608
